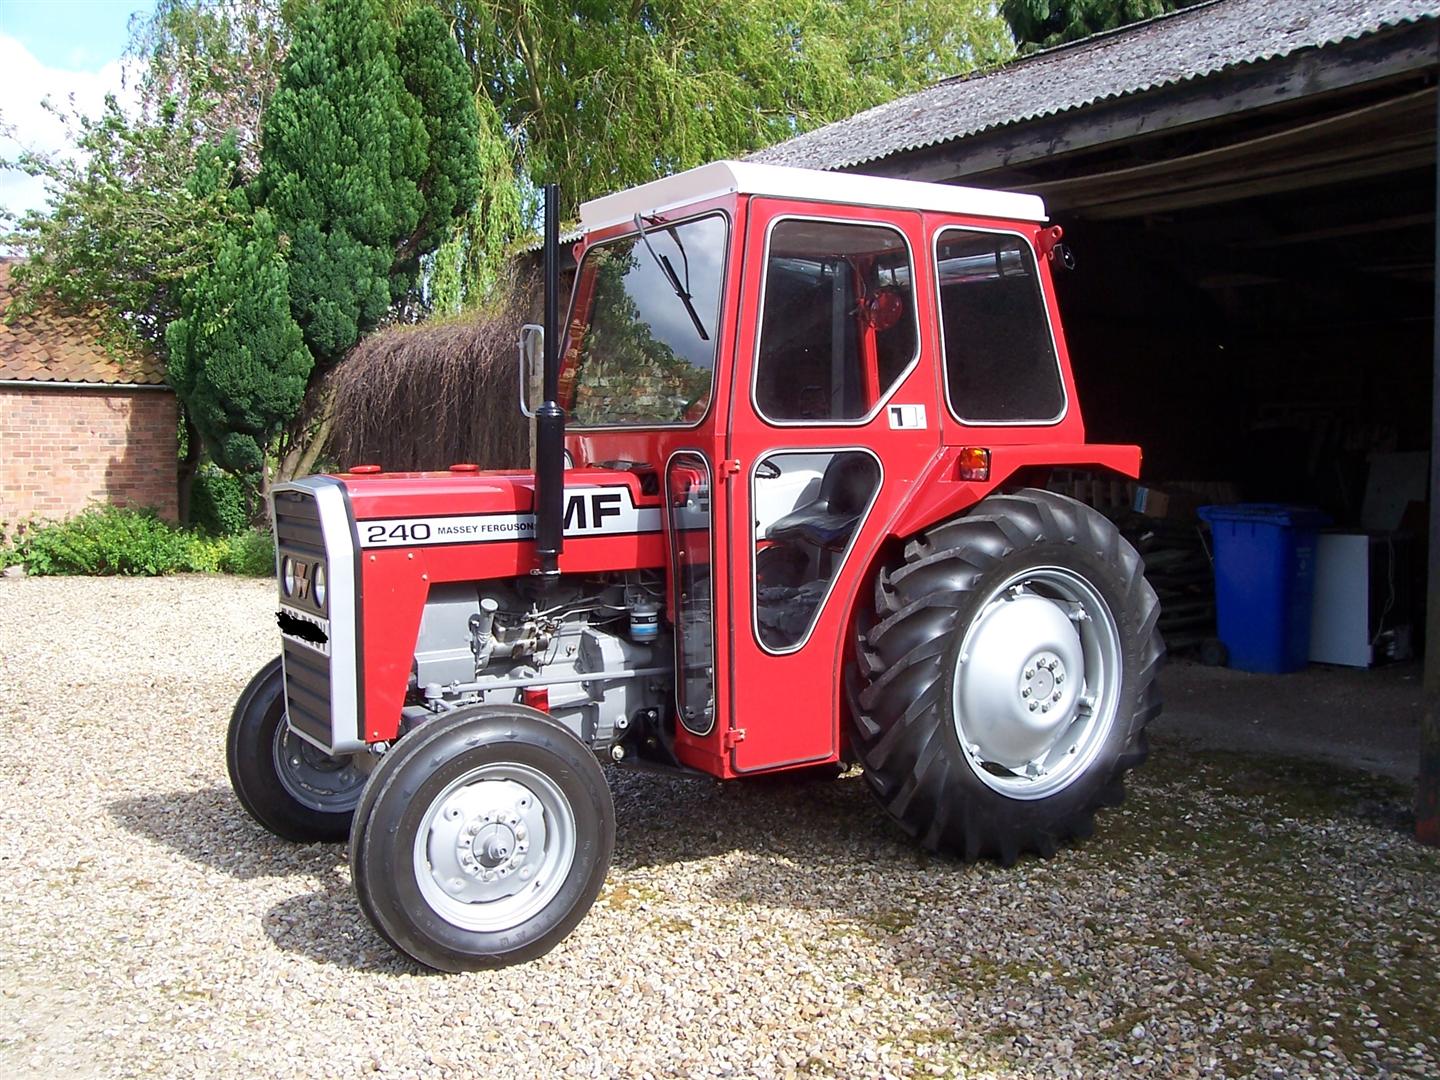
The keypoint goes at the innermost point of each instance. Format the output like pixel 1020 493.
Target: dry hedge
pixel 432 395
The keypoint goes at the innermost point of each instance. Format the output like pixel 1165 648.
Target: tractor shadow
pixel 662 820
pixel 210 828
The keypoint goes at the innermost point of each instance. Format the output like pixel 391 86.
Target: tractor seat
pixel 828 520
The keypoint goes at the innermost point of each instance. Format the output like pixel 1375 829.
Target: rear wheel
pixel 294 789
pixel 1005 679
pixel 483 839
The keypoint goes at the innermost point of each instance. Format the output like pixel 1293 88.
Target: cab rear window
pixel 1000 362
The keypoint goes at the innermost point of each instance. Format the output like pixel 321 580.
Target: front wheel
pixel 1003 684
pixel 483 838
pixel 294 789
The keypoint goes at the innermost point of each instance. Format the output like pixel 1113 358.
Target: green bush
pixel 119 540
pixel 251 553
pixel 104 540
pixel 219 502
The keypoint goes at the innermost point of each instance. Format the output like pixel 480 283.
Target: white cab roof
pixel 752 178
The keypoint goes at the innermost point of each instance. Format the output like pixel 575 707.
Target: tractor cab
pixel 797 359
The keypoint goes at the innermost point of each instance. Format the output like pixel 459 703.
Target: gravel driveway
pixel 1236 916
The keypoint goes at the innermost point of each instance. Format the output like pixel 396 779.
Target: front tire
pixel 483 838
pixel 1003 684
pixel 293 789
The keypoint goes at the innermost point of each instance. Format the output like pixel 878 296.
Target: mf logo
pixel 302 579
pixel 587 511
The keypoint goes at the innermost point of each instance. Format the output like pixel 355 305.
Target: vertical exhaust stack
pixel 550 417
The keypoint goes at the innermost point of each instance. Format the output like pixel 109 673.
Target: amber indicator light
pixel 974 463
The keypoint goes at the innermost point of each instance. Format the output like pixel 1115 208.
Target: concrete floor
pixel 1364 719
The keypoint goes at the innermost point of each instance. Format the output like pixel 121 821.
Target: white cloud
pixel 25 84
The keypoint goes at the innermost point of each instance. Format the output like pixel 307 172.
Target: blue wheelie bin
pixel 1264 582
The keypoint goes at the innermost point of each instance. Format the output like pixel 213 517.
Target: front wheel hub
pixel 495 846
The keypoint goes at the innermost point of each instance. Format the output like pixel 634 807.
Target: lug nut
pixel 1045 707
pixel 1055 696
pixel 1059 677
pixel 1029 673
pixel 1034 705
pixel 1025 692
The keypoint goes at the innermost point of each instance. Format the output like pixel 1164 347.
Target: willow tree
pixel 600 96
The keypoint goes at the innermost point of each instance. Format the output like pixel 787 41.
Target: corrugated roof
pixel 48 347
pixel 1187 44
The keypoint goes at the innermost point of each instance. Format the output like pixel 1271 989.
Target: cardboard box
pixel 1177 500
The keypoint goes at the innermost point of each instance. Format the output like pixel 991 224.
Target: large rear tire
pixel 1004 681
pixel 294 790
pixel 483 838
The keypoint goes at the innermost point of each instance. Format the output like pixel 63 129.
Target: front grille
pixel 298 536
pixel 307 691
pixel 297 522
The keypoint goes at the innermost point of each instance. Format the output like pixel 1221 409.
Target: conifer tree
pixel 343 152
pixel 237 358
pixel 437 77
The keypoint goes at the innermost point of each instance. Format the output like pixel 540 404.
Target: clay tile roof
pixel 49 347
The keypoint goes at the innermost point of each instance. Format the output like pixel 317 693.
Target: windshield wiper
pixel 663 261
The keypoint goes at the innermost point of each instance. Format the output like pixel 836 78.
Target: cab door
pixel 834 411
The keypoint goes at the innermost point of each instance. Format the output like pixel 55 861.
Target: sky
pixel 63 50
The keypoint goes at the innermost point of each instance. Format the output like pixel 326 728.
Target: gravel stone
pixel 1236 916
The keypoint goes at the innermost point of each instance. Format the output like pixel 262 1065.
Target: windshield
pixel 641 348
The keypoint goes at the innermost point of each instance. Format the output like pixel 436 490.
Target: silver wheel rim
pixel 313 778
pixel 495 847
pixel 1037 682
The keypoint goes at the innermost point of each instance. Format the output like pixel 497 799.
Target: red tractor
pixel 786 513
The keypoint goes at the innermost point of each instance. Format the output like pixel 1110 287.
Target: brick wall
pixel 62 449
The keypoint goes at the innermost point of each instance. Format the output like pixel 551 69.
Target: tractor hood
pixel 467 506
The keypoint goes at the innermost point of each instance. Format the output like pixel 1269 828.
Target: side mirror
pixel 532 362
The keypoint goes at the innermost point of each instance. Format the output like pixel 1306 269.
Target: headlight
pixel 287 575
pixel 320 586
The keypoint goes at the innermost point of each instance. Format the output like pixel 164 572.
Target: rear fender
pixel 941 493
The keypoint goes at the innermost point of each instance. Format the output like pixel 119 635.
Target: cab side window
pixel 1000 362
pixel 837 323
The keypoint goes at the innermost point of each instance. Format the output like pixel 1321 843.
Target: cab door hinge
pixel 729 467
pixel 733 736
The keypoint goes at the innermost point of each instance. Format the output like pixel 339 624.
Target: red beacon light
pixel 364 470
pixel 464 467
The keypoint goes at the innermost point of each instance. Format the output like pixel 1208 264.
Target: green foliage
pixel 601 96
pixel 435 75
pixel 219 502
pixel 219 59
pixel 237 359
pixel 1043 23
pixel 251 553
pixel 106 540
pixel 344 148
pixel 467 270
pixel 126 226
